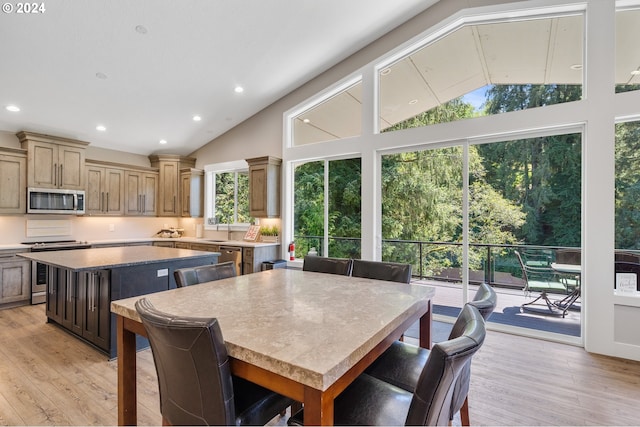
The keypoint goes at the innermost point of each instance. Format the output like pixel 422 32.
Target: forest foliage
pixel 525 191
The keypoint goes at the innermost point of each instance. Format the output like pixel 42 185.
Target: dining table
pixel 303 334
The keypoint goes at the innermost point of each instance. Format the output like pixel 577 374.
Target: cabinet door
pixel 70 167
pixel 13 181
pixel 15 283
pixel 94 204
pixel 105 191
pixel 185 179
pixel 43 165
pixel 114 188
pixel 96 312
pixel 149 192
pixel 168 194
pixel 55 293
pixel 72 305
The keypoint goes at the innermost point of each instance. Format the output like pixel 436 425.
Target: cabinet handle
pixel 144 203
pixel 61 183
pixel 55 174
pixel 107 207
pixel 139 202
pixel 174 204
pixel 7 256
pixel 101 202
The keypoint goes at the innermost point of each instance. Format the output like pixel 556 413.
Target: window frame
pixel 210 190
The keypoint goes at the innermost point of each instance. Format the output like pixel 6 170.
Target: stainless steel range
pixel 39 278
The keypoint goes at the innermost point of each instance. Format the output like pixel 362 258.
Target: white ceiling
pixel 192 56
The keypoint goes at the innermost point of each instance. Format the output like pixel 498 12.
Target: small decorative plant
pixel 269 233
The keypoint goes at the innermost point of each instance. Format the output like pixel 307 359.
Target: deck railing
pixel 491 263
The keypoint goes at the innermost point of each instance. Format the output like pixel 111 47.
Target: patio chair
pixel 543 280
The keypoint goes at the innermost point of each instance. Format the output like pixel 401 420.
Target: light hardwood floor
pixel 48 377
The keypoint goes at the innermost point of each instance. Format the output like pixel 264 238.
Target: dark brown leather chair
pixel 321 264
pixel 194 374
pixel 204 273
pixel 391 271
pixel 371 401
pixel 402 364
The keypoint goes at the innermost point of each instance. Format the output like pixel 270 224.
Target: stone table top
pixel 106 258
pixel 310 327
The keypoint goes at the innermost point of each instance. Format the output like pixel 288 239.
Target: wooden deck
pixel 537 322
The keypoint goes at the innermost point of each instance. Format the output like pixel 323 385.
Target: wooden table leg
pixel 425 328
pixel 127 398
pixel 318 408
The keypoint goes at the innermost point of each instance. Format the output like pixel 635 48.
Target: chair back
pixel 194 375
pixel 433 396
pixel 485 300
pixel 391 271
pixel 204 273
pixel 320 264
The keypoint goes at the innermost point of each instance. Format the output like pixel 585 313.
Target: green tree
pixel 627 178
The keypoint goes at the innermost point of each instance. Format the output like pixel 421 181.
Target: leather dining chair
pixel 402 363
pixel 204 273
pixel 194 374
pixel 329 265
pixel 371 401
pixel 391 271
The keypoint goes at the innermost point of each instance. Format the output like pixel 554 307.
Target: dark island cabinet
pixel 79 302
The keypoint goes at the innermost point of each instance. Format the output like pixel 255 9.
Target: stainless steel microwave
pixel 55 201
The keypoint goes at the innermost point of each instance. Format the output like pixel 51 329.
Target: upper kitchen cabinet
pixel 141 189
pixel 192 192
pixel 105 189
pixel 54 162
pixel 169 193
pixel 13 181
pixel 264 186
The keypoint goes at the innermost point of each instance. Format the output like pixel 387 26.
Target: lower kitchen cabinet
pixel 252 258
pixel 79 301
pixel 15 278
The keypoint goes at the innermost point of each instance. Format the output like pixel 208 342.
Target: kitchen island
pixel 81 283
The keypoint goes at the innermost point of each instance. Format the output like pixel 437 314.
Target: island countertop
pixel 105 258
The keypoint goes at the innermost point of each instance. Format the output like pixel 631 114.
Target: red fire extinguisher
pixel 292 251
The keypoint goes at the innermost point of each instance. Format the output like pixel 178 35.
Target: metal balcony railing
pixel 491 263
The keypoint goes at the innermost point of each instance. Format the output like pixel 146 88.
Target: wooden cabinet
pixel 54 162
pixel 141 189
pixel 80 303
pixel 264 186
pixel 13 181
pixel 182 245
pixel 252 258
pixel 15 278
pixel 169 187
pixel 105 190
pixel 164 244
pixel 192 190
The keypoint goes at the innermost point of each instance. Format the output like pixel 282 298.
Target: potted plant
pixel 270 234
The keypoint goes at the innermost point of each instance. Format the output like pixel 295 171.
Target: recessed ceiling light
pixel 197 118
pixel 13 108
pixel 385 71
pixel 576 67
pixel 163 141
pixel 101 76
pixel 239 89
pixel 101 128
pixel 306 121
pixel 141 29
pixel 413 102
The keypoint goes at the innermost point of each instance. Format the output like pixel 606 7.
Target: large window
pixel 337 117
pixel 627 50
pixel 484 69
pixel 328 208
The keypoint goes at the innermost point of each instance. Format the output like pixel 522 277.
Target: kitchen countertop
pixel 105 258
pixel 238 243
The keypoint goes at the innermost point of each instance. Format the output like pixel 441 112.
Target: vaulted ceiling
pixel 144 69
